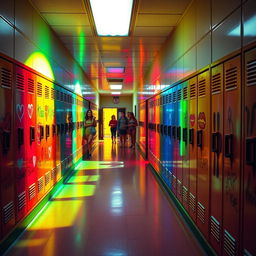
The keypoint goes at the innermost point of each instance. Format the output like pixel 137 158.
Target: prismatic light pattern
pixel 112 17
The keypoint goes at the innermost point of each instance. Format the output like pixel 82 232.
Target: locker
pixel 203 152
pixel 30 140
pixel 179 122
pixel 184 146
pixel 40 136
pixel 20 131
pixel 216 156
pixel 142 127
pixel 232 154
pixel 249 189
pixel 192 85
pixel 7 178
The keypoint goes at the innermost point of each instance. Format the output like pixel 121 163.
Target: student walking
pixel 122 126
pixel 90 131
pixel 132 124
pixel 113 127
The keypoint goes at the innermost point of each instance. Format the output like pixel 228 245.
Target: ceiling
pixel 153 22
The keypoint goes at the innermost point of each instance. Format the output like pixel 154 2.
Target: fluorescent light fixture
pixel 116 86
pixel 112 17
pixel 115 93
pixel 115 70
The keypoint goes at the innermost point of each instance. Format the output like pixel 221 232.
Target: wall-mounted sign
pixel 115 99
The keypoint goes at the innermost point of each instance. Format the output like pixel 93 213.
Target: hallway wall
pixel 23 32
pixel 124 102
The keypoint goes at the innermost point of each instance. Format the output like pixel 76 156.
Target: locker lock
pixel 58 129
pixel 174 132
pixel 32 134
pixel 6 141
pixel 179 133
pixel 41 132
pixel 229 145
pixel 53 129
pixel 250 151
pixel 47 128
pixel 216 142
pixel 185 135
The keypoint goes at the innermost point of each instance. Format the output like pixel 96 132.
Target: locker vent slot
pixel 179 187
pixel 201 212
pixel 174 182
pixel 52 93
pixel 174 97
pixel 192 91
pixel 246 253
pixel 185 194
pixel 54 174
pixel 58 95
pixel 39 90
pixel 47 178
pixel 61 96
pixel 32 191
pixel 179 94
pixel 170 98
pixel 251 73
pixel 40 184
pixel 6 78
pixel 185 93
pixel 216 83
pixel 8 212
pixel 21 200
pixel 215 229
pixel 231 78
pixel 192 202
pixel 31 86
pixel 47 92
pixel 202 87
pixel 229 244
pixel 20 82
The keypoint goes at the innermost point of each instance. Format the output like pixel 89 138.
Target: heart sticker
pixel 34 160
pixel 20 111
pixel 30 110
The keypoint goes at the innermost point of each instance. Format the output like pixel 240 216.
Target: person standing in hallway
pixel 132 124
pixel 122 126
pixel 90 131
pixel 113 127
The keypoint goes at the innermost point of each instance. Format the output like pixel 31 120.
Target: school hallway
pixel 111 205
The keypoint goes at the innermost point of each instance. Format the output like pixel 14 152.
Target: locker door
pixel 216 156
pixel 30 141
pixel 58 132
pixel 179 122
pixel 232 165
pixel 203 152
pixel 7 178
pixel 40 136
pixel 249 190
pixel 185 146
pixel 164 139
pixel 158 142
pixel 20 131
pixel 192 147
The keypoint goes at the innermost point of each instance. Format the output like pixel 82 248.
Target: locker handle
pixel 169 131
pixel 53 129
pixel 161 129
pixel 191 136
pixel 47 129
pixel 179 133
pixel 58 129
pixel 41 132
pixel 32 134
pixel 6 141
pixel 158 128
pixel 20 137
pixel 228 145
pixel 174 132
pixel 250 157
pixel 185 135
pixel 200 138
pixel 216 142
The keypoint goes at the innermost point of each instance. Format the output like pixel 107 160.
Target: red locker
pixel 40 136
pixel 192 147
pixel 30 143
pixel 20 128
pixel 185 146
pixel 203 152
pixel 249 189
pixel 216 157
pixel 232 154
pixel 7 178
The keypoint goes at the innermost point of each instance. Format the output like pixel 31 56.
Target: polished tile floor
pixel 111 206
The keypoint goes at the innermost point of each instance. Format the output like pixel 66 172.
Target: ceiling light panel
pixel 115 69
pixel 116 86
pixel 112 17
pixel 115 93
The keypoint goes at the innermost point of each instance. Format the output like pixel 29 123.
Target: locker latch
pixel 179 133
pixel 174 132
pixel 169 131
pixel 62 128
pixel 47 128
pixel 53 129
pixel 251 151
pixel 228 145
pixel 216 147
pixel 185 135
pixel 191 136
pixel 41 132
pixel 58 129
pixel 158 128
pixel 6 141
pixel 20 137
pixel 32 134
pixel 200 138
